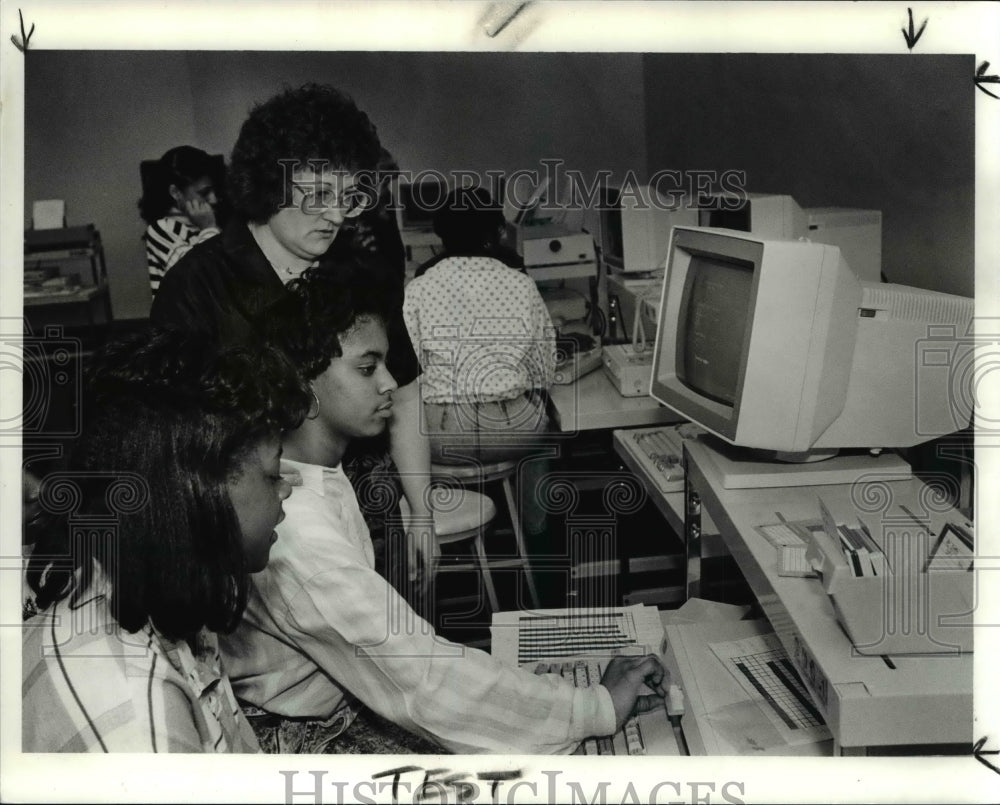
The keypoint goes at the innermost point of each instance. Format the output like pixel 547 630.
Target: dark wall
pixel 894 133
pixel 889 132
pixel 92 116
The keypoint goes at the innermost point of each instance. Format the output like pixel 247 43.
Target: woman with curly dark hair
pixel 304 165
pixel 170 503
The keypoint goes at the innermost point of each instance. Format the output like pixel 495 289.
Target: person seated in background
pixel 471 224
pixel 484 339
pixel 178 205
pixel 322 627
pixel 177 472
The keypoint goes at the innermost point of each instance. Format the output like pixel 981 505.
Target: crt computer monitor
pixel 857 232
pixel 767 215
pixel 636 222
pixel 777 345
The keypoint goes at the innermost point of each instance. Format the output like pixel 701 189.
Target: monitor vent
pixel 868 218
pixel 851 218
pixel 900 302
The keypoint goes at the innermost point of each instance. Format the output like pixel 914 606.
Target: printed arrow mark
pixel 912 36
pixel 982 78
pixel 25 37
pixel 978 751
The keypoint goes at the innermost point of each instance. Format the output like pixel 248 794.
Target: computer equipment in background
pixel 628 292
pixel 628 367
pixel 577 354
pixel 578 351
pixel 857 233
pixel 416 203
pixel 558 256
pixel 636 222
pixel 548 234
pixel 768 215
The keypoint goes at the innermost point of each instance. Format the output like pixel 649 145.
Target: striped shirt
pixel 167 241
pixel 321 621
pixel 90 686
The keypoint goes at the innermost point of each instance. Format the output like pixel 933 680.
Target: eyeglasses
pixel 317 200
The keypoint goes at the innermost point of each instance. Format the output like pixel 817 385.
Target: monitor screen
pixel 777 345
pixel 737 219
pixel 713 319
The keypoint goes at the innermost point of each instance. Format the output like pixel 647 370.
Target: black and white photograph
pixel 409 401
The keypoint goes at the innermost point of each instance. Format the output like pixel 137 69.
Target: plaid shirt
pixel 90 686
pixel 321 621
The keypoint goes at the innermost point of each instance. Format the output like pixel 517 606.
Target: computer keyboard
pixel 649 733
pixel 659 451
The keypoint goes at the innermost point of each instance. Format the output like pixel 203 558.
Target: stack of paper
pixel 49 214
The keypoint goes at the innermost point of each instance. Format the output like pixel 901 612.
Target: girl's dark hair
pixel 312 124
pixel 323 304
pixel 181 166
pixel 469 222
pixel 167 425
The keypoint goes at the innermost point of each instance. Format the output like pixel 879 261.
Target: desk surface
pixel 593 403
pixel 866 700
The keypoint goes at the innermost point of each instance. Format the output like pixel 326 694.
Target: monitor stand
pixel 740 468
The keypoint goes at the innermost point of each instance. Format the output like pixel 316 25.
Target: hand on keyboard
pixel 632 681
pixel 643 731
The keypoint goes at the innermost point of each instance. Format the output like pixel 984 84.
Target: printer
pixel 558 254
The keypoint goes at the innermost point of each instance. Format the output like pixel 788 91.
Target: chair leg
pixel 515 519
pixel 484 571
